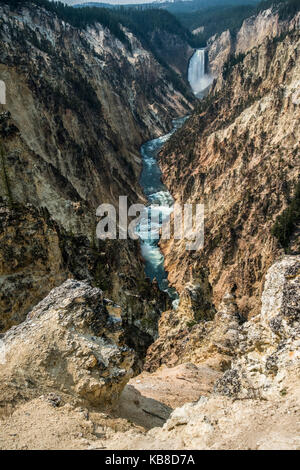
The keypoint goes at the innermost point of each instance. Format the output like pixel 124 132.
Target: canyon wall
pixel 253 32
pixel 238 154
pixel 79 105
pixel 174 51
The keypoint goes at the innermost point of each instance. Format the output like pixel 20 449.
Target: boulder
pixel 68 344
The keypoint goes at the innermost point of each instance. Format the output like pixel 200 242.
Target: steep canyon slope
pixel 268 23
pixel 68 359
pixel 239 155
pixel 80 102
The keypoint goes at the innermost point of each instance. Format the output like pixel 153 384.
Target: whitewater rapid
pixel 157 195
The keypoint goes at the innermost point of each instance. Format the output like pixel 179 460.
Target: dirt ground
pixel 144 408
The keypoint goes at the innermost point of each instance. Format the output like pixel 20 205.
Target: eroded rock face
pixel 69 344
pixel 31 261
pixel 238 156
pixel 253 32
pixel 267 24
pixel 250 353
pixel 269 344
pixel 281 298
pixel 173 50
pixel 183 337
pixel 219 49
pixel 255 404
pixel 79 105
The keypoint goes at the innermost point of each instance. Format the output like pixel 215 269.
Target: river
pixel 156 192
pixel 157 195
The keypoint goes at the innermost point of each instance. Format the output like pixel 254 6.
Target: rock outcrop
pixel 69 345
pixel 219 49
pixel 255 404
pixel 268 349
pixel 183 338
pixel 31 261
pixel 228 343
pixel 267 24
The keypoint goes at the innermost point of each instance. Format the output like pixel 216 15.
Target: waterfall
pixel 197 77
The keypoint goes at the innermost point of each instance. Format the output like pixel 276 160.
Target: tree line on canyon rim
pixel 216 19
pixel 141 22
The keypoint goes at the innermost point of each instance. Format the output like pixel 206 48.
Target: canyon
pixel 94 352
pixel 225 157
pixel 79 105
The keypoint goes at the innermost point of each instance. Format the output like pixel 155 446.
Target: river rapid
pixel 159 201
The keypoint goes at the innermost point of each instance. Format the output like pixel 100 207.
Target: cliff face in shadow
pixel 79 105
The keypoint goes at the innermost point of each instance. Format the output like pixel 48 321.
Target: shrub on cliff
pixel 286 222
pixel 286 8
pixel 78 17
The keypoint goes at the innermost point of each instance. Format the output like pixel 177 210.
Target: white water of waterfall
pixel 198 79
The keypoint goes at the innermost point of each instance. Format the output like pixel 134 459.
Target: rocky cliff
pixel 268 23
pixel 238 155
pixel 255 403
pixel 69 356
pixel 69 344
pixel 79 104
pixel 174 50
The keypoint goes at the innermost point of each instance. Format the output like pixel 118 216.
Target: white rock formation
pixel 68 344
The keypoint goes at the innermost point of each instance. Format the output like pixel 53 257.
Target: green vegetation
pixel 101 276
pixel 78 17
pixel 215 15
pixel 4 175
pixel 140 21
pixel 191 323
pixel 143 22
pixel 217 19
pixel 84 91
pixel 231 62
pixel 287 8
pixel 286 222
pixel 146 21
